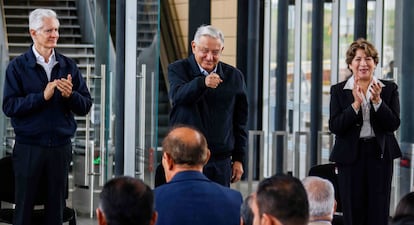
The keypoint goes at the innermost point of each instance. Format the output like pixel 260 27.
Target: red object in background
pixel 151 160
pixel 405 162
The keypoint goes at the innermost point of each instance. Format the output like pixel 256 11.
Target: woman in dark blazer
pixel 364 114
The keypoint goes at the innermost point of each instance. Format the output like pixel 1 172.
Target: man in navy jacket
pixel 42 91
pixel 189 197
pixel 211 96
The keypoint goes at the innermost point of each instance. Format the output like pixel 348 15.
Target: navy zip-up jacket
pixel 220 114
pixel 37 121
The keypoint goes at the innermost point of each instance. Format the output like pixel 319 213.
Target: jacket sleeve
pixel 387 117
pixel 240 118
pixel 342 117
pixel 17 101
pixel 80 101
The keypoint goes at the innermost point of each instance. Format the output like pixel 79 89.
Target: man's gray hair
pixel 36 17
pixel 321 196
pixel 208 30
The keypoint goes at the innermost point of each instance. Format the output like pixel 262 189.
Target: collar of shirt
pixel 40 58
pixel 204 72
pixel 350 83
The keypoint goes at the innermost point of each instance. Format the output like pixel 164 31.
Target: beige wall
pixel 180 20
pixel 223 16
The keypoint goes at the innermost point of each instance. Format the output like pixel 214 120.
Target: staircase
pixel 69 43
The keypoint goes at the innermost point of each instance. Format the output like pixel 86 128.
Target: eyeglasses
pixel 206 51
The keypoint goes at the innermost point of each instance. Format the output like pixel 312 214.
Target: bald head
pixel 186 145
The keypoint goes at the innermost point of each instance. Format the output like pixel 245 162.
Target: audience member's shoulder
pixel 161 188
pixel 231 192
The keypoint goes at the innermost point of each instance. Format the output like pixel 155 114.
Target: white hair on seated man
pixel 321 197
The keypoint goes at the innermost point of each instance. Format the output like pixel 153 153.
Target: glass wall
pixel 141 90
pixel 299 82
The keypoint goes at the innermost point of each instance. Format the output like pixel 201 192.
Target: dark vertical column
pixel 360 28
pixel 253 29
pixel 199 13
pixel 241 62
pixel 281 77
pixel 406 78
pixel 254 72
pixel 260 68
pixel 316 79
pixel 242 29
pixel 120 88
pixel 407 74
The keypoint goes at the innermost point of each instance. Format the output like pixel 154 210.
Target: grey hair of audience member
pixel 321 196
pixel 246 212
pixel 36 18
pixel 208 30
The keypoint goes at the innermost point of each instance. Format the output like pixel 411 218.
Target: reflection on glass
pixel 346 35
pixel 387 55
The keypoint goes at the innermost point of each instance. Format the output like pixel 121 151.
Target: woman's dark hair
pixel 362 44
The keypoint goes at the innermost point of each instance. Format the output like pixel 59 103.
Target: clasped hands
pixel 375 89
pixel 64 85
pixel 213 80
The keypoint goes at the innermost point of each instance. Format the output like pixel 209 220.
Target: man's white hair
pixel 321 196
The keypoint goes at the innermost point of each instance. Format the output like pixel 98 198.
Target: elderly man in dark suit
pixel 211 96
pixel 189 197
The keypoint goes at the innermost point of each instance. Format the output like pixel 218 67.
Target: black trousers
pixel 219 170
pixel 30 163
pixel 365 186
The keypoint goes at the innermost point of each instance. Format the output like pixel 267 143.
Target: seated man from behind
pixel 280 200
pixel 127 201
pixel 321 197
pixel 189 197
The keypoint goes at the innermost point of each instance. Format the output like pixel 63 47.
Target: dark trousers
pixel 219 171
pixel 30 163
pixel 365 186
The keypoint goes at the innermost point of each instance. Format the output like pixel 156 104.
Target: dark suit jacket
pixel 220 114
pixel 190 198
pixel 346 124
